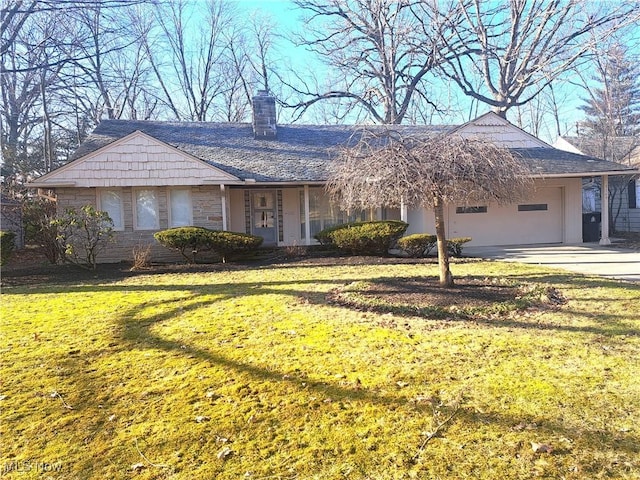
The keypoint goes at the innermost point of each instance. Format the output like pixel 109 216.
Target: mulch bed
pixel 466 293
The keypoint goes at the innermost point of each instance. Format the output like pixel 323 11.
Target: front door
pixel 263 224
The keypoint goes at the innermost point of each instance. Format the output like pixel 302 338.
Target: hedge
pixel 417 245
pixel 420 244
pixel 190 241
pixel 454 245
pixel 364 238
pixel 7 245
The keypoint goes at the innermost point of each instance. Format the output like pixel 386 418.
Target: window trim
pixel 135 209
pixel 119 192
pixel 170 192
pixel 471 209
pixel 533 207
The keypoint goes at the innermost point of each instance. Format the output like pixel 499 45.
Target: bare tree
pixel 113 68
pixel 26 121
pixel 385 168
pixel 188 64
pixel 378 53
pixel 520 47
pixel 15 14
pixel 250 65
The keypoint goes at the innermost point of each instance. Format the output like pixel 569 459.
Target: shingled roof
pixel 625 150
pixel 301 153
pixel 555 162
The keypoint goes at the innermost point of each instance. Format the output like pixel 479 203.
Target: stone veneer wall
pixel 207 212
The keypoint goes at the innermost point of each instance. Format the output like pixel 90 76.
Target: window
pixel 180 210
pixel 534 207
pixel 324 214
pixel 110 201
pixel 480 209
pixel 634 193
pixel 588 200
pixel 146 210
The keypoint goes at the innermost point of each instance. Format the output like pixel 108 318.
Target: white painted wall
pixel 505 225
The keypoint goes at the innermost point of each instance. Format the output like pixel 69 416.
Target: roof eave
pixel 585 174
pixel 284 183
pixel 50 185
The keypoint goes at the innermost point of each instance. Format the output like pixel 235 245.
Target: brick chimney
pixel 264 116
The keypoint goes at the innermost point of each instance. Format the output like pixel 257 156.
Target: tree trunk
pixel 446 279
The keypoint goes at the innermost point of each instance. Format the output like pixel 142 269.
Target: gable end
pixel 136 160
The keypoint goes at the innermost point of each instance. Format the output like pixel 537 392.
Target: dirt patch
pixel 629 240
pixel 423 297
pixel 467 292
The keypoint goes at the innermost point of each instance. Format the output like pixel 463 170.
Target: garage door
pixel 538 220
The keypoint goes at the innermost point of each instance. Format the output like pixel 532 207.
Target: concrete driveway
pixel 587 258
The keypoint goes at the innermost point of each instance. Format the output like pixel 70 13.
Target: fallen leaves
pixel 541 447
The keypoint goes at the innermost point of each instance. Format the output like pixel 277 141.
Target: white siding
pixel 494 129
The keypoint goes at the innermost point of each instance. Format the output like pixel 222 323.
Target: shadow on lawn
pixel 607 324
pixel 137 334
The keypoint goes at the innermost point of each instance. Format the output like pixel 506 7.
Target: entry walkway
pixel 586 258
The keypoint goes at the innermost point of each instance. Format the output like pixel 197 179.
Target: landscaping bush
pixel 324 236
pixel 7 245
pixel 454 245
pixel 190 241
pixel 82 234
pixel 228 243
pixel 39 215
pixel 417 245
pixel 364 238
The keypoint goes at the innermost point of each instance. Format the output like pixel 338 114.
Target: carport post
pixel 403 211
pixel 604 207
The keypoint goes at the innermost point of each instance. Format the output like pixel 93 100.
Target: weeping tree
pixel 384 168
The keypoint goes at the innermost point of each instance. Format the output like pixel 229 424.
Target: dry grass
pixel 253 374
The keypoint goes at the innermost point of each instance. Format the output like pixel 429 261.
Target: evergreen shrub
pixel 7 245
pixel 364 238
pixel 190 241
pixel 417 245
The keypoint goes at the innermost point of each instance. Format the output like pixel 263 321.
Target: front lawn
pixel 257 372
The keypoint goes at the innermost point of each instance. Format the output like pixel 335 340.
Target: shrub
pixel 417 245
pixel 83 234
pixel 7 245
pixel 39 216
pixel 324 236
pixel 227 243
pixel 189 241
pixel 454 245
pixel 364 238
pixel 141 257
